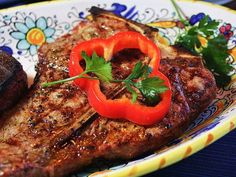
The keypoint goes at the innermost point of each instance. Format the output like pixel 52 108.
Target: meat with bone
pixel 54 131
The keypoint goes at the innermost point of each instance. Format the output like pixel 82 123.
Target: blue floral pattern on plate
pixel 32 34
pixel 24 32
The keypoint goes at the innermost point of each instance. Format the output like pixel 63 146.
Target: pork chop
pixel 54 131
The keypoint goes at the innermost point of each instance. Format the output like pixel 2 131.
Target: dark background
pixel 217 160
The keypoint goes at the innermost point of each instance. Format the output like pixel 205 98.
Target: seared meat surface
pixel 13 81
pixel 54 131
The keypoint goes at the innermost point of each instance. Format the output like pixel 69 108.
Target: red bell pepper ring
pixel 121 108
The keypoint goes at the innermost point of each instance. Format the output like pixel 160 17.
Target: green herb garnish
pixel 149 87
pixel 189 39
pixel 214 53
pixel 98 66
pixel 95 64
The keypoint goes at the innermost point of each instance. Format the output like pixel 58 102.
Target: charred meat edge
pixel 55 132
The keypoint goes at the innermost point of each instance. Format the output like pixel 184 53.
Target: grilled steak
pixel 13 81
pixel 54 131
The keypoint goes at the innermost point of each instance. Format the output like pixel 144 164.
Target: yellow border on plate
pixel 177 153
pixel 173 155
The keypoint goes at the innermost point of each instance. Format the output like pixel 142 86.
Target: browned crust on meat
pixel 54 131
pixel 123 140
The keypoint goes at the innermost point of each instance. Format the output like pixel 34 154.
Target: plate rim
pixel 156 163
pixel 69 1
pixel 199 143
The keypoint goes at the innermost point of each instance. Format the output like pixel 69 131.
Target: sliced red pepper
pixel 123 107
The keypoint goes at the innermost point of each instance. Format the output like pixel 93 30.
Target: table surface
pixel 217 160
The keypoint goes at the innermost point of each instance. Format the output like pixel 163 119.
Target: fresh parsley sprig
pixel 214 52
pixel 149 87
pixel 98 66
pixel 215 55
pixel 95 64
pixel 190 40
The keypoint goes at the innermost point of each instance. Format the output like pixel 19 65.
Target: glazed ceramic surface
pixel 24 29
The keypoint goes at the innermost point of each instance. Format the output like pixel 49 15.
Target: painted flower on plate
pixel 226 30
pixel 32 34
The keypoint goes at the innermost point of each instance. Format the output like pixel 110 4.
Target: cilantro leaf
pixel 189 42
pixel 139 70
pixel 151 84
pixel 189 39
pixel 151 88
pixel 132 91
pixel 214 54
pixel 207 27
pixel 98 66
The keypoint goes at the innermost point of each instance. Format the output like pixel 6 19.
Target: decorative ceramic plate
pixel 24 29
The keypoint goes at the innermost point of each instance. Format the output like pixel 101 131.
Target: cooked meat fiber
pixel 54 131
pixel 13 81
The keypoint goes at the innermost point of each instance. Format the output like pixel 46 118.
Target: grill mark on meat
pixel 178 93
pixel 99 137
pixel 47 148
